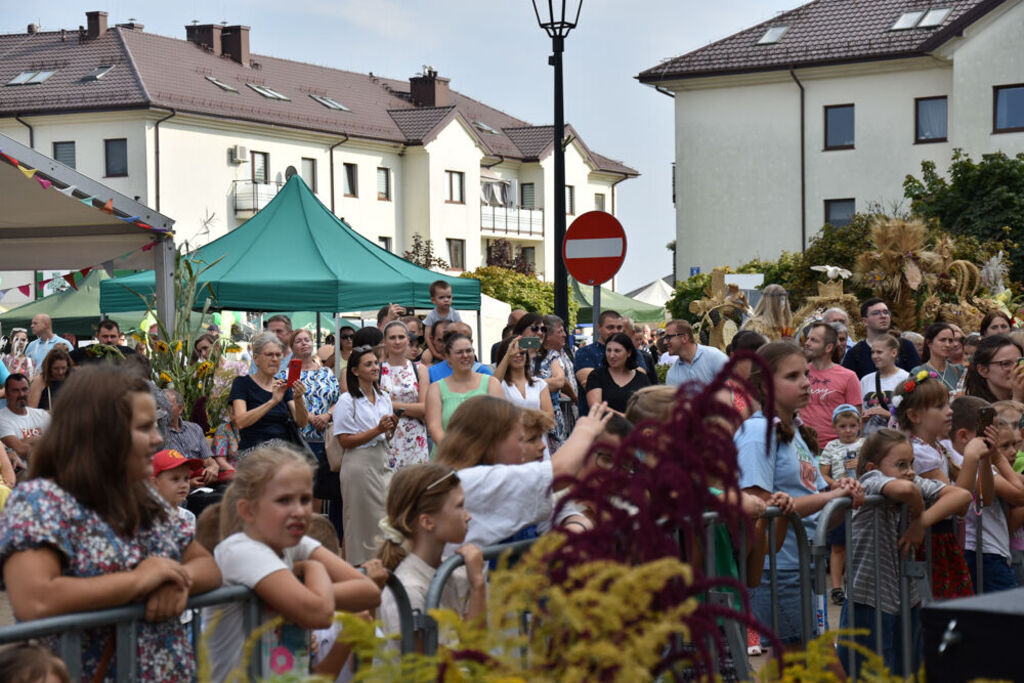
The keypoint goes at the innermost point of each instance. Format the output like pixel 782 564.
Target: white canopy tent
pixel 43 226
pixel 656 293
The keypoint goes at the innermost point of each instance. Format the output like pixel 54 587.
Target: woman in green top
pixel 447 394
pixel 938 346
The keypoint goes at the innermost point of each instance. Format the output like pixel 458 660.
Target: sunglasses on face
pixel 539 328
pixel 347 337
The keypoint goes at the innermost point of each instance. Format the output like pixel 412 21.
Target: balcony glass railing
pixel 511 220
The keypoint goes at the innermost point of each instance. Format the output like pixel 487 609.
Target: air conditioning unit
pixel 239 154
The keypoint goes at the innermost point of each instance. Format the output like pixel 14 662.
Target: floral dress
pixel 409 444
pixel 40 513
pixel 557 436
pixel 322 392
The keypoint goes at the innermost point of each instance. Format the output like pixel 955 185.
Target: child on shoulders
pixel 441 297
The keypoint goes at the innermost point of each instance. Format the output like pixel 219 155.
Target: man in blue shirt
pixel 441 370
pixel 694 362
pixel 280 325
pixel 45 341
pixel 591 356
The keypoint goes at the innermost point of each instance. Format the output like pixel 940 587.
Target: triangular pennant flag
pixel 150 245
pixel 44 182
pixel 85 271
pixel 70 279
pixel 29 172
pixel 25 289
pixel 128 220
pixel 87 201
pixel 144 225
pixel 109 206
pixel 3 293
pixel 68 191
pixel 108 267
pixel 10 159
pixel 43 283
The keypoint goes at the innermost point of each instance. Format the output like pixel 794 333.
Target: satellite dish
pixel 289 172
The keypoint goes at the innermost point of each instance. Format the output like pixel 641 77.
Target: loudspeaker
pixel 974 637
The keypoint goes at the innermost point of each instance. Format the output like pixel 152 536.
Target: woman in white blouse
pixel 484 442
pixel 363 424
pixel 515 373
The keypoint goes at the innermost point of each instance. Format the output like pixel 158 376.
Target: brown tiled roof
pixel 824 32
pixel 534 142
pixel 158 71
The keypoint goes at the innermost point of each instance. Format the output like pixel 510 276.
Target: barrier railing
pixel 125 620
pixel 909 570
pixel 444 572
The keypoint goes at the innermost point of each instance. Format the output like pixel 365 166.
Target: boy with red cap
pixel 171 474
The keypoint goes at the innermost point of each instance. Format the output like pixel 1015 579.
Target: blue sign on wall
pixel 694 270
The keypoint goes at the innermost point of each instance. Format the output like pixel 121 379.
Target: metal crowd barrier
pixel 910 570
pixel 425 622
pixel 125 620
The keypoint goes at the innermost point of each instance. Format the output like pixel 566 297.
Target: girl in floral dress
pixel 87 531
pixel 407 384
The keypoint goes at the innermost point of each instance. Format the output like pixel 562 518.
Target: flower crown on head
pixel 908 386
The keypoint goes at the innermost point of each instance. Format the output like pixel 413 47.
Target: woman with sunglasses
pixel 16 360
pixel 995 373
pixel 406 383
pixel 515 373
pixel 43 391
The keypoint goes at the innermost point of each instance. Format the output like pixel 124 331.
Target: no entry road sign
pixel 594 247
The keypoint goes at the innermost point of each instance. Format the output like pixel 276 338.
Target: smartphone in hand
pixel 528 343
pixel 399 411
pixel 294 370
pixel 986 416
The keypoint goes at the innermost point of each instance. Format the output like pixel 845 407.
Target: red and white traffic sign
pixel 594 247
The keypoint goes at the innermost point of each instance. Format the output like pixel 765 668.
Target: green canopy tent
pixel 637 310
pixel 296 255
pixel 77 311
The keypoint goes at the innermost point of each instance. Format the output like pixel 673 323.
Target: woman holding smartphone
pixel 261 405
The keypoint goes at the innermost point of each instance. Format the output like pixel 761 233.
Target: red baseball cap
pixel 169 459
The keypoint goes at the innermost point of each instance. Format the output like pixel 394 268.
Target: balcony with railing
pixel 252 196
pixel 512 221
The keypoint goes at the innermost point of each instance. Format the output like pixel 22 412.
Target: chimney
pixel 132 25
pixel 236 43
pixel 32 28
pixel 429 90
pixel 205 35
pixel 97 22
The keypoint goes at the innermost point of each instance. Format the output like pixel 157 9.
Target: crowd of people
pixel 418 450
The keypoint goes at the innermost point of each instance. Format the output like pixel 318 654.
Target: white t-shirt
pixel 416 575
pixel 32 423
pixel 995 533
pixel 533 392
pixel 503 499
pixel 361 416
pixel 869 394
pixel 244 561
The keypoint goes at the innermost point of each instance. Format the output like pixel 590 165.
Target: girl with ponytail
pixel 426 509
pixel 780 468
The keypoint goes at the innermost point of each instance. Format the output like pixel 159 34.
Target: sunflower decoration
pixel 900 268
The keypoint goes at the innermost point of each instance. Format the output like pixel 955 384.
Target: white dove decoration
pixel 832 272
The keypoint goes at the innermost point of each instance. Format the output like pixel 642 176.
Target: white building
pixel 824 110
pixel 202 128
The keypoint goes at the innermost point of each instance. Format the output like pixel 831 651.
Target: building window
pixel 527 196
pixel 931 119
pixel 385 243
pixel 570 200
pixel 457 254
pixel 1008 114
pixel 117 157
pixel 64 152
pixel 384 184
pixel 599 201
pixel 456 187
pixel 839 212
pixel 261 167
pixel 839 127
pixel 309 172
pixel 529 254
pixel 351 180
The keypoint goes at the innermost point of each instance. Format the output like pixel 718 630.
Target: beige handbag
pixel 335 452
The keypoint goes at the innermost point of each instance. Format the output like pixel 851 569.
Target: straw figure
pixel 772 317
pixel 721 310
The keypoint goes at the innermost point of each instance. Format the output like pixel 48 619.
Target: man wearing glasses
pixel 694 362
pixel 875 314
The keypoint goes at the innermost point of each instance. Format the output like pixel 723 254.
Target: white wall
pixel 454 149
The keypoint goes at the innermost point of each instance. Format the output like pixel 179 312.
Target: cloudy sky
pixel 493 51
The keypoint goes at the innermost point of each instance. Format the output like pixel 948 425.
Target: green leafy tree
pixel 520 290
pixel 982 200
pixel 422 254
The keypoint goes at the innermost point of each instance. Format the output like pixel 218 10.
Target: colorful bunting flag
pixel 68 191
pixel 127 220
pixel 70 279
pixel 44 182
pixel 87 200
pixel 108 267
pixel 10 159
pixel 29 172
pixel 109 206
pixel 25 289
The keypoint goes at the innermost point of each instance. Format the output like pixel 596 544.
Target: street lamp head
pixel 559 17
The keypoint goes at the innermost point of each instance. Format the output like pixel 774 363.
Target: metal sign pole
pixel 597 308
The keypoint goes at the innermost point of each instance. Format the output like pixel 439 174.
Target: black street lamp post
pixel 557 21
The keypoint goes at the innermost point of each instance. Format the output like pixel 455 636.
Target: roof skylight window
pixel 98 73
pixel 485 128
pixel 935 17
pixel 330 102
pixel 31 77
pixel 269 93
pixel 221 84
pixel 773 35
pixel 907 20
